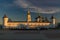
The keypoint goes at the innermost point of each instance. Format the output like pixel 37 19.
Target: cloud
pixel 25 4
pixel 22 3
pixel 46 10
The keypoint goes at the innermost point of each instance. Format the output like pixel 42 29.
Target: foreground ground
pixel 29 35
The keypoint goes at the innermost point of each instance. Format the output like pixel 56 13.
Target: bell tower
pixel 28 16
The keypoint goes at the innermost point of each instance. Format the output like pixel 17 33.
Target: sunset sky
pixel 17 9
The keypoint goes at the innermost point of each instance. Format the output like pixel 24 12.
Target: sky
pixel 17 9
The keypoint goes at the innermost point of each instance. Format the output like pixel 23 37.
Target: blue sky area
pixel 17 9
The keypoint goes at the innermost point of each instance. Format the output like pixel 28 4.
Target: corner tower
pixel 53 21
pixel 28 16
pixel 5 20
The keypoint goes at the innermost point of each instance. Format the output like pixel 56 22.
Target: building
pixel 40 21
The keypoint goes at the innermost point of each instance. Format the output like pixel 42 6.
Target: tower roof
pixel 5 16
pixel 38 17
pixel 28 12
pixel 52 17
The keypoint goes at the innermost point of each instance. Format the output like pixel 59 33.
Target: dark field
pixel 29 35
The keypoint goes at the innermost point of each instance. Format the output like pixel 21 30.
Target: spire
pixel 28 11
pixel 5 16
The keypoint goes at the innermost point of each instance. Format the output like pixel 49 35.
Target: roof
pixel 29 22
pixel 52 17
pixel 5 16
pixel 39 17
